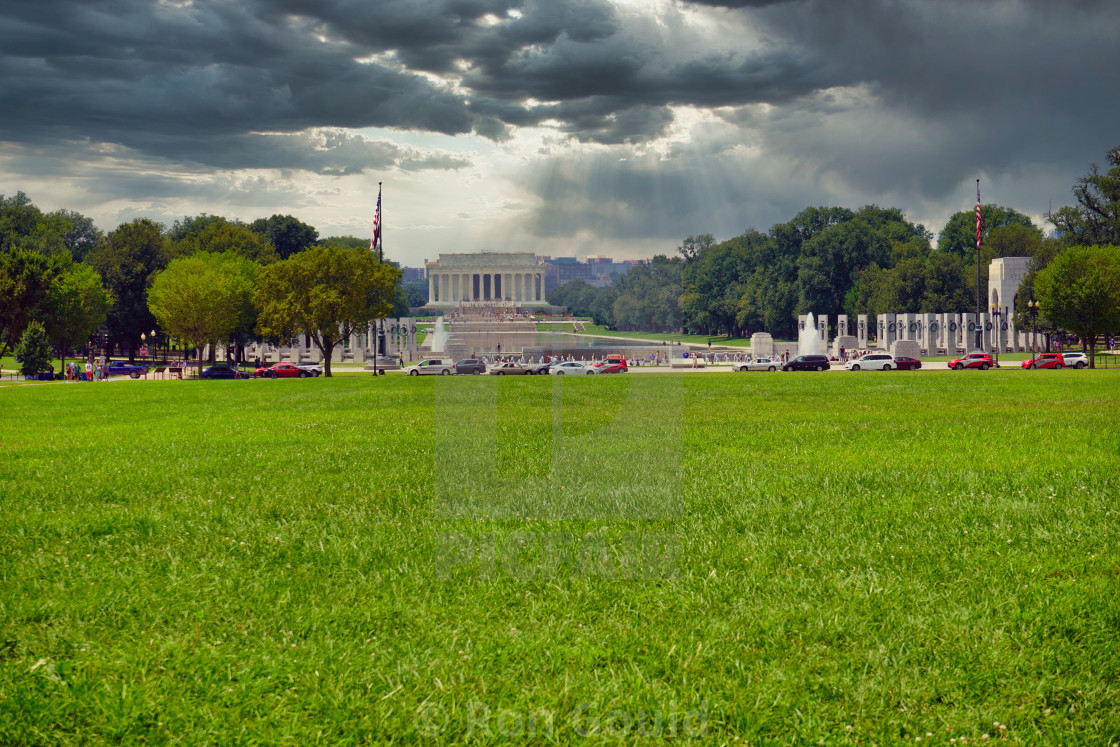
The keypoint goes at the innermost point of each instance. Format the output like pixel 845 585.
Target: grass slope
pixel 775 559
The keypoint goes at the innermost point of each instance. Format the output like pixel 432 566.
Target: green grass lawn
pixel 770 559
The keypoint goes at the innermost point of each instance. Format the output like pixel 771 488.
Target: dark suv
pixel 470 366
pixel 807 363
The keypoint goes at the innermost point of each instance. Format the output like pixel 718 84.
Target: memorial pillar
pixel 431 287
pixel 861 331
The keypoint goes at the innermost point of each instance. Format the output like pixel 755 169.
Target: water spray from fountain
pixel 439 336
pixel 808 338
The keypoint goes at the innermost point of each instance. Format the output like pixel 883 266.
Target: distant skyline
pixel 560 127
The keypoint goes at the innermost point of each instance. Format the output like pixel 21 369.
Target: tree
pixel 959 234
pixel 1080 291
pixel 202 298
pixel 415 295
pixel 25 281
pixel 691 247
pixel 217 235
pixel 127 260
pixel 326 293
pixel 79 235
pixel 33 352
pixel 287 234
pixel 1095 219
pixel 77 305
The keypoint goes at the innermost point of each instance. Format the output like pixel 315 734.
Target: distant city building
pixel 412 274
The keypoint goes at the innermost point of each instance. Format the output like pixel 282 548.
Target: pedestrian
pixel 89 371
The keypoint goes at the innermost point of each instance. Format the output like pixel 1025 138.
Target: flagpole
pixel 376 242
pixel 380 260
pixel 979 332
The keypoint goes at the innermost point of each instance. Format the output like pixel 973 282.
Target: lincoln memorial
pixel 514 278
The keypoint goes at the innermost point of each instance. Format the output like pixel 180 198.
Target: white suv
pixel 1075 359
pixel 872 362
pixel 444 367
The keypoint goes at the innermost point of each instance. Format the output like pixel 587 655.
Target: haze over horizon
pixel 561 127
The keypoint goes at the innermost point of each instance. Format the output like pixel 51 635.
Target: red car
pixel 611 367
pixel 902 363
pixel 283 371
pixel 1045 360
pixel 979 359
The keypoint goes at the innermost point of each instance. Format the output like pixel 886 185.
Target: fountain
pixel 439 337
pixel 808 339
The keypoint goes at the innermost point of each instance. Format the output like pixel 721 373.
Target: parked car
pixel 1045 360
pixel 609 366
pixel 282 371
pixel 539 369
pixel 222 371
pixel 907 364
pixel 976 359
pixel 510 368
pixel 1075 360
pixel 757 364
pixel 470 366
pixel 315 369
pixel 807 363
pixel 872 362
pixel 120 368
pixel 571 367
pixel 440 367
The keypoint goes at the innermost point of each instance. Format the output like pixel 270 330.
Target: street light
pixel 143 347
pixel 997 313
pixel 1032 309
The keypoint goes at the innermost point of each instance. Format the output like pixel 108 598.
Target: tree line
pixel 834 260
pixel 203 281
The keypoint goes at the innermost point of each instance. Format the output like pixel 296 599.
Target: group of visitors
pixel 92 371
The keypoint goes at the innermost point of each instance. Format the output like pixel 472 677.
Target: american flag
pixel 377 222
pixel 977 213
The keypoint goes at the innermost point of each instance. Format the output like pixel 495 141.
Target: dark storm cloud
pixel 878 96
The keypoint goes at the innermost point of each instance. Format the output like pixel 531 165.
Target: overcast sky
pixel 564 127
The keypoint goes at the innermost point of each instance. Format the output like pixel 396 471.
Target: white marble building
pixel 515 278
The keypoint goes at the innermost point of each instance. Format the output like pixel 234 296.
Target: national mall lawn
pixel 859 559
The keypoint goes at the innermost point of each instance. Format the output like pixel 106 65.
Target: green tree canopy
pixel 217 235
pixel 127 261
pixel 202 299
pixel 326 293
pixel 286 233
pixel 1095 219
pixel 25 281
pixel 78 233
pixel 33 352
pixel 77 306
pixel 1080 291
pixel 959 234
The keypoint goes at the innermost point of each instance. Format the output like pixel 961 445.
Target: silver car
pixel 758 364
pixel 571 367
pixel 872 362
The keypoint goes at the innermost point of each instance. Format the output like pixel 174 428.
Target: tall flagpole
pixel 376 242
pixel 380 260
pixel 979 333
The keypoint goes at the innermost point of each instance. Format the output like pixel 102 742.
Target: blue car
pixel 120 368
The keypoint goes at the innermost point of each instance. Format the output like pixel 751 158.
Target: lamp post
pixel 144 347
pixel 997 313
pixel 1032 310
